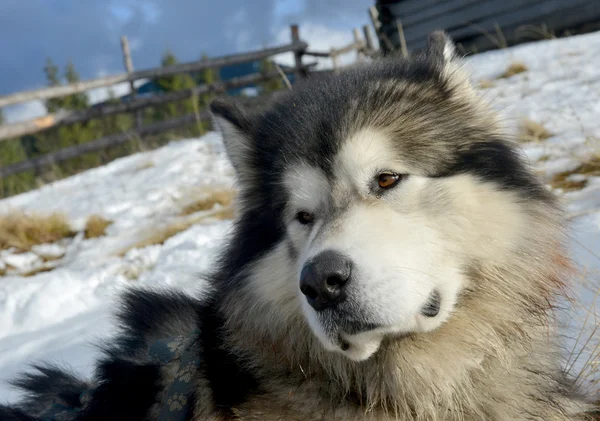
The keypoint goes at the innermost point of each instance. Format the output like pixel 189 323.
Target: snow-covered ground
pixel 58 315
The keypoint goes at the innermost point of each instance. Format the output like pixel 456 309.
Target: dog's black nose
pixel 324 278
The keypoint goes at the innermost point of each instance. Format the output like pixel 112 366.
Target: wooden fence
pixel 363 47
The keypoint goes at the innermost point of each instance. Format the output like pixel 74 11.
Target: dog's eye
pixel 305 218
pixel 387 180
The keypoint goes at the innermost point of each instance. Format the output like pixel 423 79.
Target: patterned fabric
pixel 178 350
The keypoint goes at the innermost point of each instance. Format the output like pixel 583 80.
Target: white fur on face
pixel 404 245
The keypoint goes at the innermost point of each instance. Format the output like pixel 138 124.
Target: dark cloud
pixel 88 32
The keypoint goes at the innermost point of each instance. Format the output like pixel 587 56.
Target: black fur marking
pixel 47 384
pixel 14 414
pixel 497 162
pixel 230 383
pixel 261 229
pixel 232 113
pixel 148 315
pixel 126 391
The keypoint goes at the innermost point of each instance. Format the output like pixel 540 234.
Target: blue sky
pixel 88 31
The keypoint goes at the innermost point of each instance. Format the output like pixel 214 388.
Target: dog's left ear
pixel 237 129
pixel 440 48
pixel 442 55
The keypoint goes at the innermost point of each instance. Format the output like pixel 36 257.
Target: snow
pixel 58 315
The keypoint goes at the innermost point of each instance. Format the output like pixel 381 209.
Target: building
pixel 479 25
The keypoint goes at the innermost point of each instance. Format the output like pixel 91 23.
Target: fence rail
pixel 112 140
pixel 75 88
pixel 9 131
pixel 136 103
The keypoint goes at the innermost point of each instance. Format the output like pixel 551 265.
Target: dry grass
pixel 590 167
pixel 486 84
pixel 209 200
pixel 145 165
pixel 513 69
pixel 35 271
pixel 544 158
pixel 23 231
pixel 531 131
pixel 96 226
pixel 224 213
pixel 160 236
pixel 182 223
pixel 565 180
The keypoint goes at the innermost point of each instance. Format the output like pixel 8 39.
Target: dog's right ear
pixel 236 128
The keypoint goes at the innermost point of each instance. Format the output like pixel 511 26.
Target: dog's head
pixel 371 196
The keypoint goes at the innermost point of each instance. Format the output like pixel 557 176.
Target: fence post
pixel 368 38
pixel 385 44
pixel 359 50
pixel 129 68
pixel 300 71
pixel 403 47
pixel 374 16
pixel 334 59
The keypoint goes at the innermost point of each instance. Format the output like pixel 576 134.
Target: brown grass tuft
pixel 96 226
pixel 209 200
pixel 531 131
pixel 590 167
pixel 513 69
pixel 23 231
pixel 179 225
pixel 566 184
pixel 160 236
pixel 145 165
pixel 35 271
pixel 565 181
pixel 486 84
pixel 544 158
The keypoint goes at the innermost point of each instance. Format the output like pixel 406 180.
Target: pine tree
pixel 75 101
pixel 51 71
pixel 173 83
pixel 273 84
pixel 207 77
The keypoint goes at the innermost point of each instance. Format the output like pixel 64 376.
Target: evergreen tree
pixel 72 102
pixel 75 101
pixel 207 77
pixel 273 84
pixel 52 79
pixel 173 83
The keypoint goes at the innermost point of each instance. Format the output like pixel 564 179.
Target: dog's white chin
pixel 354 347
pixel 361 346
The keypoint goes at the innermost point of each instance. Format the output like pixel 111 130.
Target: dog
pixel 393 258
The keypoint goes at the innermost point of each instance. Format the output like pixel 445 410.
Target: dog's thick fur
pixel 467 220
